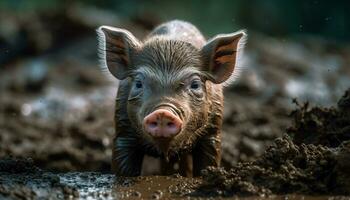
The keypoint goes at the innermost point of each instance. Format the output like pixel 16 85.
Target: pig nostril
pixel 153 124
pixel 170 124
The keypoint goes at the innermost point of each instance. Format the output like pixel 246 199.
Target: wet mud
pixel 329 127
pixel 26 181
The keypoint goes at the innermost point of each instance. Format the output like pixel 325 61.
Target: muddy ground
pixel 56 112
pixel 316 163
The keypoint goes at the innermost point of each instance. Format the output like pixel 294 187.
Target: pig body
pixel 170 100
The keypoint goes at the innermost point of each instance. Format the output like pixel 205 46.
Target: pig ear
pixel 221 55
pixel 115 49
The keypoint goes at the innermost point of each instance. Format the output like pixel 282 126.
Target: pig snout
pixel 162 123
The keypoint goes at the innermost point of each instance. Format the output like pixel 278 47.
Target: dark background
pixel 326 19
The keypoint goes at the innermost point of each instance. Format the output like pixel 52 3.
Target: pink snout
pixel 162 123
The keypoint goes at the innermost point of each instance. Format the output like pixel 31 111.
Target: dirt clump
pixel 284 168
pixel 312 159
pixel 324 126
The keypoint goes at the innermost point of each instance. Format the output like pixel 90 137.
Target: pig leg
pixel 184 163
pixel 127 156
pixel 167 167
pixel 207 152
pixel 127 153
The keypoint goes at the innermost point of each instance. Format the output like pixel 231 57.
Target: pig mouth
pixel 163 144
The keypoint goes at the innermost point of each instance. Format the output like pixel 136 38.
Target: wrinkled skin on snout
pixel 170 101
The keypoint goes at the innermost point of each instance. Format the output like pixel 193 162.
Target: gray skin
pixel 174 68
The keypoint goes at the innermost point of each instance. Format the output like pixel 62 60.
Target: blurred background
pixel 57 107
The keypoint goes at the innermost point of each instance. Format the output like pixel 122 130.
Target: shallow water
pixel 91 185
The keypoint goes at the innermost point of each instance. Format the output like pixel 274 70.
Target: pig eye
pixel 195 84
pixel 138 84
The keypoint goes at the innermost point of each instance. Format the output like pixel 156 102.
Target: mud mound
pixel 21 179
pixel 324 126
pixel 315 160
pixel 284 168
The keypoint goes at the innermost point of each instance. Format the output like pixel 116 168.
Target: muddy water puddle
pixel 91 185
pixel 176 187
